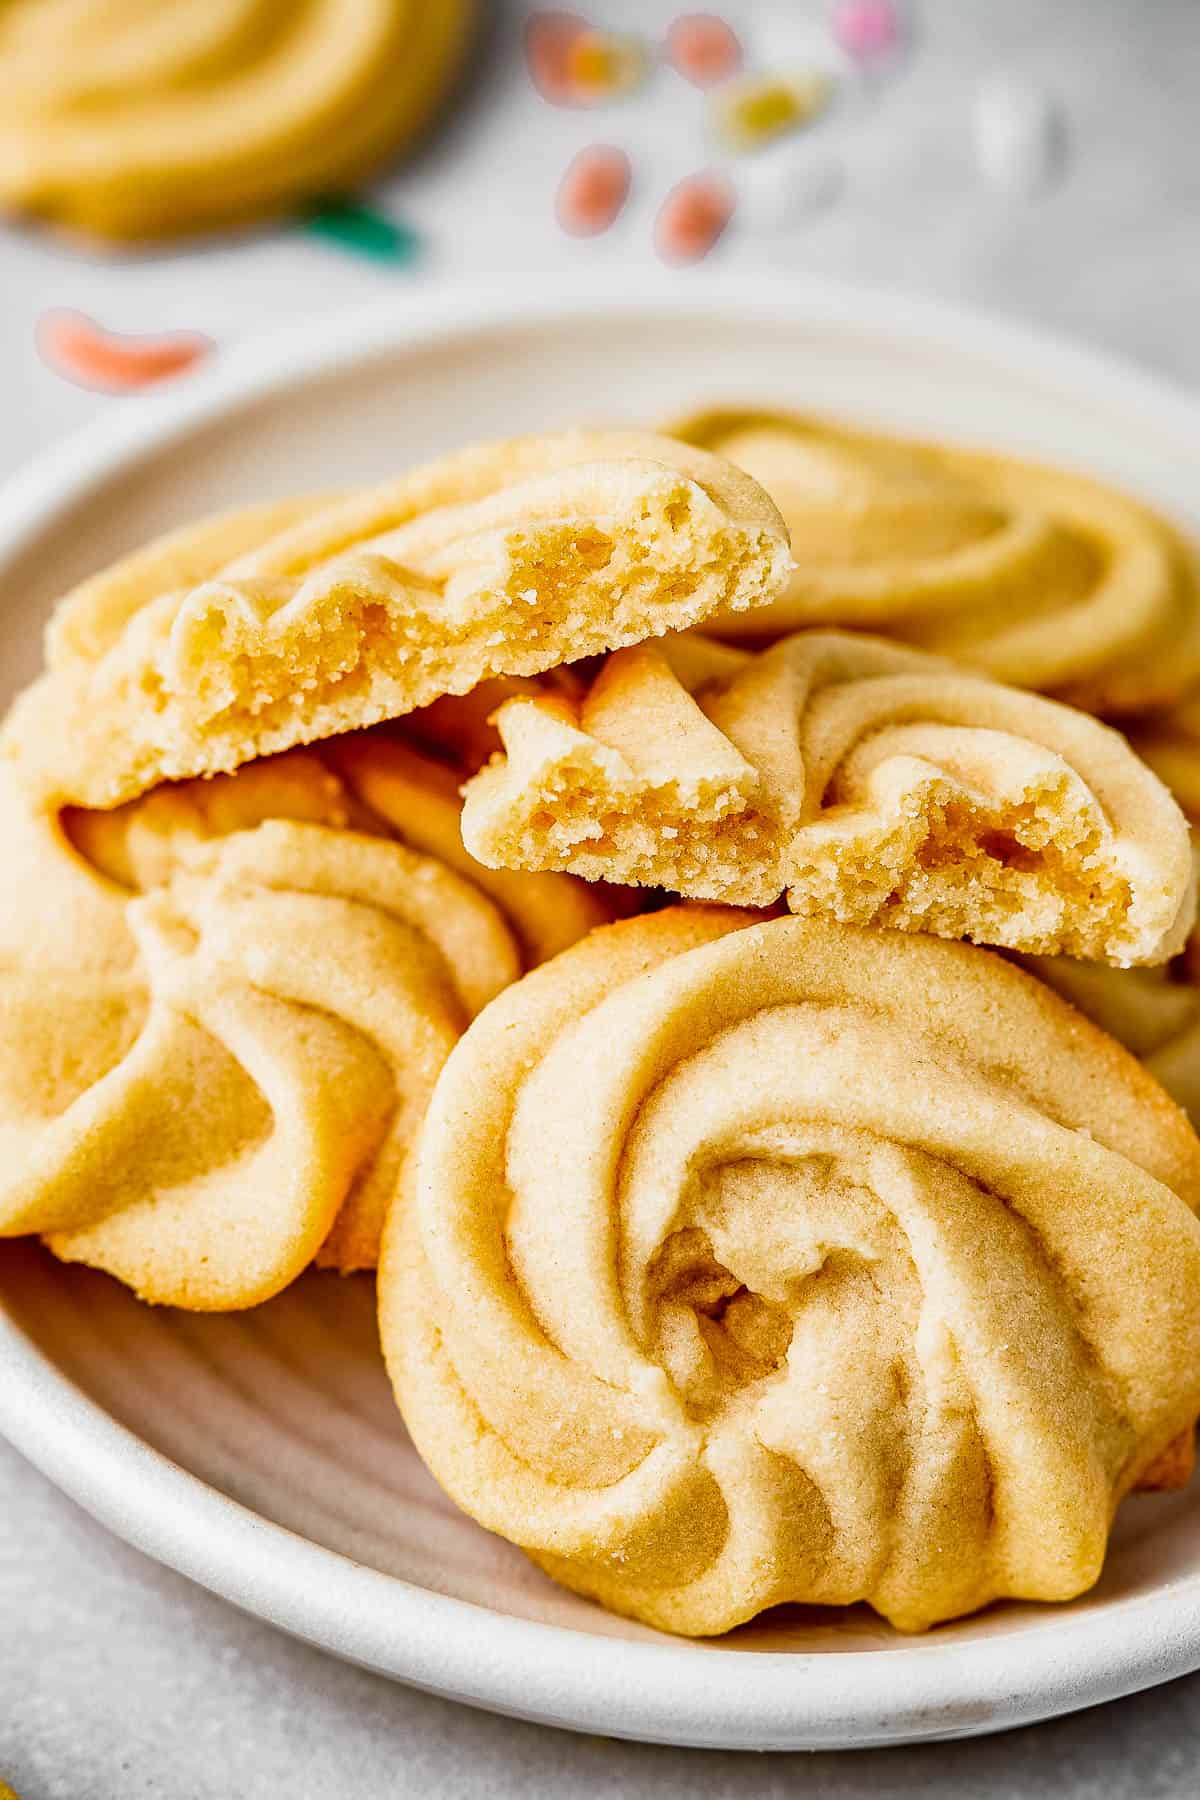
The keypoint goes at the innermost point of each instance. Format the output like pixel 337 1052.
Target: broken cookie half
pixel 240 637
pixel 864 781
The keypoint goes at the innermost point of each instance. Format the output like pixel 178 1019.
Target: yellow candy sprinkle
pixel 755 110
pixel 600 63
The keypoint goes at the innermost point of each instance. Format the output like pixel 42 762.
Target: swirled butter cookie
pixel 225 1006
pixel 866 1272
pixel 1032 575
pixel 1170 743
pixel 1153 1012
pixel 135 119
pixel 864 779
pixel 242 637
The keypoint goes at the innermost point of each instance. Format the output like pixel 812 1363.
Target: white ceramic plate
pixel 261 1454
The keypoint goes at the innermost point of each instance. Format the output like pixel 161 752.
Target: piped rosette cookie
pixel 1154 1012
pixel 140 119
pixel 1170 743
pixel 227 1002
pixel 753 1263
pixel 864 780
pixel 244 636
pixel 1038 577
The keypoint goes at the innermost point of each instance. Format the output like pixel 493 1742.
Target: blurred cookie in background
pixel 143 119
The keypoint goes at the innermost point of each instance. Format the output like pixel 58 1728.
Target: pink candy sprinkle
pixel 866 28
pixel 593 190
pixel 693 217
pixel 703 48
pixel 75 346
pixel 550 38
pixel 571 64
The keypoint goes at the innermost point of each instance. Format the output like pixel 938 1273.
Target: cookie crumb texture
pixel 749 1328
pixel 867 782
pixel 504 560
pixel 1154 1012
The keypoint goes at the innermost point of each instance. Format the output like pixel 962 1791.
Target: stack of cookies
pixel 533 879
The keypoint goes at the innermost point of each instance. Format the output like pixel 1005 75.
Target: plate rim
pixel 676 1693
pixel 669 1692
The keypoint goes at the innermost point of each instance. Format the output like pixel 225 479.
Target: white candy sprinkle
pixel 783 189
pixel 1020 135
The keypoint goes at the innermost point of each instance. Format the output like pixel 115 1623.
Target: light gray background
pixel 118 1679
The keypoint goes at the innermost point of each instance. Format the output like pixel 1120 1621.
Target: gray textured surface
pixel 1111 255
pixel 120 1680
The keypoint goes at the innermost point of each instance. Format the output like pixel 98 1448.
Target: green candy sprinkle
pixel 363 231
